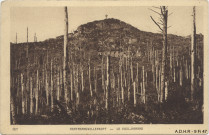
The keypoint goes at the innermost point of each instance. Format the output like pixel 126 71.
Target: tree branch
pixel 159 23
pixel 156 23
pixel 170 14
pixel 155 11
pixel 161 10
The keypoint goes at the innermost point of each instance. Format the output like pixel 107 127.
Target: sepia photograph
pixel 107 65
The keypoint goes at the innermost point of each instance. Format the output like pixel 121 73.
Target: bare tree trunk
pixel 103 84
pixel 121 77
pixel 159 83
pixel 134 85
pixel 143 84
pixel 31 95
pixel 186 70
pixel 189 71
pixel 52 88
pixel 166 90
pixel 153 65
pixel 107 106
pixel 132 76
pixel 141 91
pixel 95 80
pixel 71 82
pixel 27 45
pixel 77 90
pixel 58 84
pixel 90 87
pixel 118 91
pixel 171 62
pixel 22 90
pixel 65 56
pixel 82 80
pixel 13 115
pixel 37 91
pixel 137 77
pixel 164 55
pixel 47 88
pixel 193 55
pixel 146 79
pixel 71 85
pixel 181 76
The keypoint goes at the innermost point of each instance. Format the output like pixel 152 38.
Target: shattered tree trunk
pixel 13 96
pixel 159 83
pixel 137 77
pixel 27 44
pixel 31 95
pixel 103 84
pixel 90 87
pixel 95 80
pixel 164 55
pixel 71 83
pixel 193 55
pixel 121 77
pixel 77 86
pixel 107 105
pixel 37 91
pixel 13 115
pixel 47 88
pixel 22 94
pixel 52 88
pixel 46 80
pixel 134 85
pixel 171 62
pixel 65 56
pixel 58 84
pixel 143 84
pixel 82 80
pixel 181 76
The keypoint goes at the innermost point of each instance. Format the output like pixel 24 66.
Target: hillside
pixel 134 63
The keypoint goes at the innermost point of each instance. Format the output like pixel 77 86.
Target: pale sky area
pixel 48 22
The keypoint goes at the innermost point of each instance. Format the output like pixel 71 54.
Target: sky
pixel 48 22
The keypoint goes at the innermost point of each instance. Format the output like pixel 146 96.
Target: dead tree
pixel 143 85
pixel 193 54
pixel 71 84
pixel 163 22
pixel 90 87
pixel 37 91
pixel 107 105
pixel 22 94
pixel 13 95
pixel 102 68
pixel 134 85
pixel 46 81
pixel 95 80
pixel 27 45
pixel 58 84
pixel 65 54
pixel 52 88
pixel 31 95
